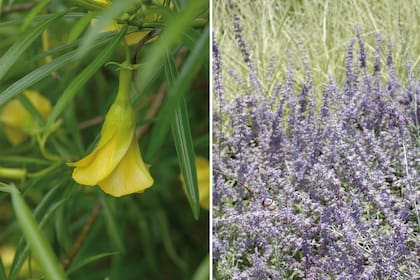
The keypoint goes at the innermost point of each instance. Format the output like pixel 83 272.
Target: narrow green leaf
pixel 105 37
pixel 86 261
pixel 18 21
pixel 172 34
pixel 2 270
pixel 59 49
pixel 35 76
pixel 83 77
pixel 24 41
pixel 185 150
pixel 42 72
pixel 178 90
pixel 80 26
pixel 181 132
pixel 32 13
pixel 39 246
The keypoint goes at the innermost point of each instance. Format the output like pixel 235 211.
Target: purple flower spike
pixel 317 188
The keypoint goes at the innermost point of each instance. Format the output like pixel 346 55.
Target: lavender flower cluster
pixel 310 187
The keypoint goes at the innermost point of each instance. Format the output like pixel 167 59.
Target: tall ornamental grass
pixel 316 189
pixel 324 26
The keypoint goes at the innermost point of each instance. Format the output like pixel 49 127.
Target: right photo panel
pixel 316 139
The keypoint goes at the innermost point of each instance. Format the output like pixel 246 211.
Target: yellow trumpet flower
pixel 203 179
pixel 116 164
pixel 17 122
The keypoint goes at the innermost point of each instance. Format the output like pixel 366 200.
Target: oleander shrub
pixel 317 187
pixel 104 139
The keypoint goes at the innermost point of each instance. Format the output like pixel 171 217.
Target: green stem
pixel 45 171
pixel 123 95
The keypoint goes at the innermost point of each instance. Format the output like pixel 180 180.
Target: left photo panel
pixel 104 139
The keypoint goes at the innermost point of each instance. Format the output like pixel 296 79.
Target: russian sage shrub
pixel 317 188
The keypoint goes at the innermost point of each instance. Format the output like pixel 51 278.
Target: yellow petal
pixel 116 135
pixel 96 165
pixel 130 176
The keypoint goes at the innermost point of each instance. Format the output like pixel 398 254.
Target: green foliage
pixel 58 229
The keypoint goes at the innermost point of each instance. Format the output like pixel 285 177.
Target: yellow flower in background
pixel 7 254
pixel 203 179
pixel 116 164
pixel 17 121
